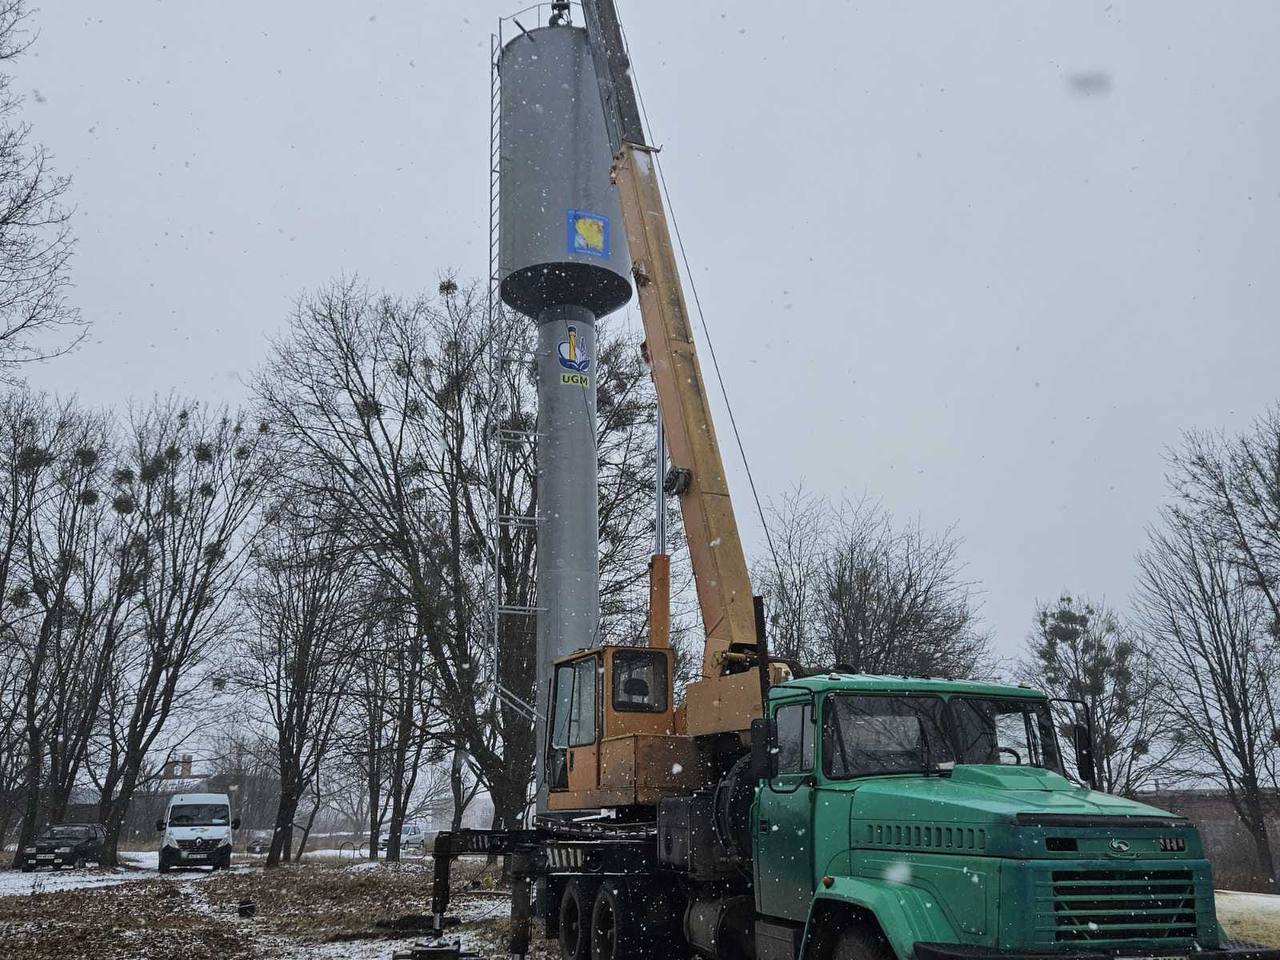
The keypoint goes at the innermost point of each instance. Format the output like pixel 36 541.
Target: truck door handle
pixel 570 759
pixel 764 826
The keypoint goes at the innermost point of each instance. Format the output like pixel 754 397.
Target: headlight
pixel 29 850
pixel 64 850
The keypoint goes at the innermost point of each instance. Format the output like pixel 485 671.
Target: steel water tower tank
pixel 561 228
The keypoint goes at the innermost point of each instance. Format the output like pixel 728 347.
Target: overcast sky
pixel 983 261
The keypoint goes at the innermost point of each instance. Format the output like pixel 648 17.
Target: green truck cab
pixel 909 817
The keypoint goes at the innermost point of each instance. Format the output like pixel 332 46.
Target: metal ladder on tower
pixel 508 443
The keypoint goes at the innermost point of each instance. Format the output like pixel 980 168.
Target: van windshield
pixel 200 815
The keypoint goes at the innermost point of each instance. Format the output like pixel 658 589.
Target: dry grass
pixel 195 917
pixel 117 923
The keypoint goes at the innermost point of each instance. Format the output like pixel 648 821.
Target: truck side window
pixel 574 719
pixel 795 737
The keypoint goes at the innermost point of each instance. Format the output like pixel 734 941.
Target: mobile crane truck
pixel 783 813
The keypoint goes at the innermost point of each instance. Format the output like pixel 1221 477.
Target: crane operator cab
pixel 615 736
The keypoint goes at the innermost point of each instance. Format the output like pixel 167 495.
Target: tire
pixel 609 940
pixel 28 866
pixel 164 862
pixel 576 905
pixel 862 943
pixel 79 864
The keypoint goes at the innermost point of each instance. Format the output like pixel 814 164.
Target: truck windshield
pixel 870 735
pixel 996 730
pixel 199 815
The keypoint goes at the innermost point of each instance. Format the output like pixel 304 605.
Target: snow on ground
pixel 351 950
pixel 14 883
pixel 136 865
pixel 1250 916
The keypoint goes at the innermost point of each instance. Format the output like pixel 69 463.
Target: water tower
pixel 563 261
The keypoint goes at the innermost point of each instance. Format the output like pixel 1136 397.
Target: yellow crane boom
pixel 727 697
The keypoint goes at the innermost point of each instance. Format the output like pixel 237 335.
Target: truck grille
pixel 1119 905
pixel 200 843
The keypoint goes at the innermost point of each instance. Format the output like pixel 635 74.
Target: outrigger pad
pixel 436 950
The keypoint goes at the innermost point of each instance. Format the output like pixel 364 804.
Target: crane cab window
pixel 574 722
pixel 795 737
pixel 640 681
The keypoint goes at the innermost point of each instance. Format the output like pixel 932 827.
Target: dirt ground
pixel 318 911
pixel 354 911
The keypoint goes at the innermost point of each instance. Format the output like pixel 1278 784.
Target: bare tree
pixel 790 578
pixel 1234 483
pixel 189 484
pixel 304 597
pixel 12 754
pixel 852 588
pixel 52 469
pixel 36 320
pixel 406 699
pixel 396 404
pixel 1081 650
pixel 1207 625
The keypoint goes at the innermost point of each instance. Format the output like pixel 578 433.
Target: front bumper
pixel 203 855
pixel 42 859
pixel 958 951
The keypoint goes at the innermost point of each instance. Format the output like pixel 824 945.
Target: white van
pixel 196 831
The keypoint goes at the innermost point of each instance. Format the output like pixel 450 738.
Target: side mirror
pixel 764 756
pixel 235 824
pixel 1083 738
pixel 159 826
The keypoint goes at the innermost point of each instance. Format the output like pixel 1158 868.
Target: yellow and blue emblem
pixel 574 357
pixel 589 234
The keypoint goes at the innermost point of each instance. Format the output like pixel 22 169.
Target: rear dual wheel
pixel 611 937
pixel 618 920
pixel 575 920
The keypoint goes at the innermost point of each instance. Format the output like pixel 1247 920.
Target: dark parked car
pixel 64 845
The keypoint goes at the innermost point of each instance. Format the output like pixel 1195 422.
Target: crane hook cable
pixel 702 320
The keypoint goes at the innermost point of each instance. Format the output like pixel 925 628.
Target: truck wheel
pixel 28 866
pixel 615 934
pixel 609 939
pixel 861 943
pixel 575 921
pixel 164 862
